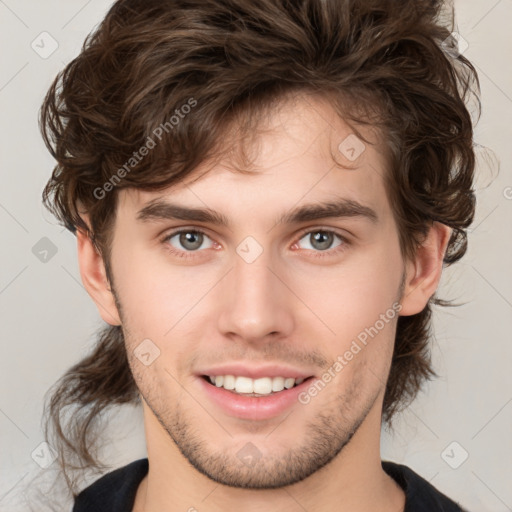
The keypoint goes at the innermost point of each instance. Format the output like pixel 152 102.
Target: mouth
pixel 260 387
pixel 255 393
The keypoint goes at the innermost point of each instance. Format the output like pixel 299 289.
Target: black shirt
pixel 115 491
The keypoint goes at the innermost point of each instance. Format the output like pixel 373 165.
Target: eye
pixel 186 240
pixel 321 240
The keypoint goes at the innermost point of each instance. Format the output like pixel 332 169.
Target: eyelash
pixel 318 254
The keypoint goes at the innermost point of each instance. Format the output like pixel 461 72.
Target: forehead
pixel 302 152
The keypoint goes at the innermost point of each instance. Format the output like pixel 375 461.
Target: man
pixel 264 194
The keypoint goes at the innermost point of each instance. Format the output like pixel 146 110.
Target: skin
pixel 214 307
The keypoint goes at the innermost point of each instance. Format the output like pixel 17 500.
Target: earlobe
pixel 92 272
pixel 424 273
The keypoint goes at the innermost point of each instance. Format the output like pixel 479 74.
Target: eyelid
pixel 185 229
pixel 325 229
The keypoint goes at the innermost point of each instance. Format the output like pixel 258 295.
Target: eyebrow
pixel 159 209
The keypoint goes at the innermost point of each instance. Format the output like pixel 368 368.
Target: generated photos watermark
pixel 356 346
pixel 151 142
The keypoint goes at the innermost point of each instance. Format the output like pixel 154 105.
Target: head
pixel 254 110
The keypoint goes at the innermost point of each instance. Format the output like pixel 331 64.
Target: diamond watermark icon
pixel 249 249
pixel 44 45
pixel 249 455
pixel 351 147
pixel 454 45
pixel 44 455
pixel 454 455
pixel 146 352
pixel 44 250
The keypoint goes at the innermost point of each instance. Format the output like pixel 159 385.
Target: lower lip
pixel 251 407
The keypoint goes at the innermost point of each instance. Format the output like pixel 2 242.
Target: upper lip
pixel 256 372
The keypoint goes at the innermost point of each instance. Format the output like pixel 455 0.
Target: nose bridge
pixel 254 303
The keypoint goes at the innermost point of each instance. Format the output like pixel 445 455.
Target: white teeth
pixel 229 382
pixel 261 386
pixel 277 384
pixel 242 385
pixel 288 383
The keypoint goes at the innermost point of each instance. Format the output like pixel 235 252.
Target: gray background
pixel 49 321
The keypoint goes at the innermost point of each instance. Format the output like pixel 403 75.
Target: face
pixel 263 302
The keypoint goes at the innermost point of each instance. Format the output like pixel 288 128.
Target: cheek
pixel 148 296
pixel 352 296
pixel 161 301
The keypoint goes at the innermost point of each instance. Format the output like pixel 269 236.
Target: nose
pixel 256 304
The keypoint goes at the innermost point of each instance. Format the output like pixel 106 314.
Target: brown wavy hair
pixel 389 64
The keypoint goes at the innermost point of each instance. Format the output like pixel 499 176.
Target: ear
pixel 424 272
pixel 94 278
